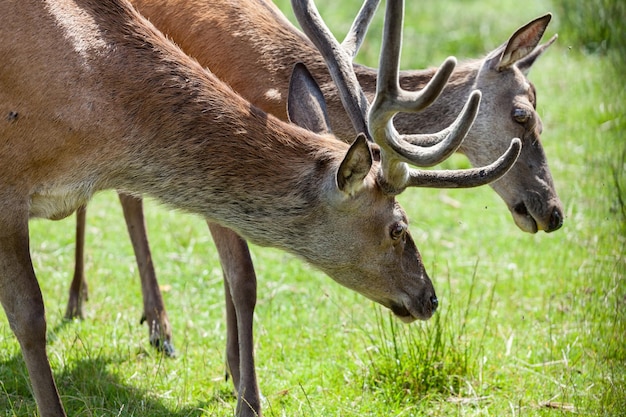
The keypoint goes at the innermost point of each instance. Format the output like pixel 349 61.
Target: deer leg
pixel 22 301
pixel 153 307
pixel 78 288
pixel 240 293
pixel 232 338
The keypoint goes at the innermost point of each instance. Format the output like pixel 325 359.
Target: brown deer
pixel 259 43
pixel 96 98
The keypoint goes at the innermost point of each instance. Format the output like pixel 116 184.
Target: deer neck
pixel 252 46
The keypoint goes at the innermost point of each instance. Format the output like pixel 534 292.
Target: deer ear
pixel 524 64
pixel 306 106
pixel 520 45
pixel 355 166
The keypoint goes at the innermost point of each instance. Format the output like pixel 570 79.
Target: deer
pixel 95 97
pixel 258 42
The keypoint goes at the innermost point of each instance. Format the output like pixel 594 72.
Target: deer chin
pixel 523 219
pixel 403 314
pixel 531 215
pixel 409 315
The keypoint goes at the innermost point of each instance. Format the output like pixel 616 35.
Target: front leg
pixel 153 307
pixel 21 299
pixel 240 293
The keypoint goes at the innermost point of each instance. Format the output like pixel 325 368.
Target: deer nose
pixel 434 302
pixel 556 220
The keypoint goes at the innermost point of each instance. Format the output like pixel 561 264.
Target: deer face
pixel 385 266
pixel 509 102
pixel 368 246
pixel 528 188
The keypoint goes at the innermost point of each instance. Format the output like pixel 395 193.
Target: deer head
pixel 528 190
pixel 508 105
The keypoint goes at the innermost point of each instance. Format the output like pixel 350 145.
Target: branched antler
pixel 377 121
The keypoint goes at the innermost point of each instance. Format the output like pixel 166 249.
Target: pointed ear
pixel 521 44
pixel 355 166
pixel 306 106
pixel 525 63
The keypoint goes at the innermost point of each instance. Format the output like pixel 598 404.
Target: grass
pixel 529 325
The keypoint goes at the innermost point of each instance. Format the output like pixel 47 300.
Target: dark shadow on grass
pixel 88 389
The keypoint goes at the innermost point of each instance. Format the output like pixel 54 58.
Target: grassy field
pixel 529 325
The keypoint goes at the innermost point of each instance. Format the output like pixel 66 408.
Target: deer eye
pixel 521 115
pixel 398 230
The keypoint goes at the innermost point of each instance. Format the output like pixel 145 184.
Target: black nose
pixel 434 302
pixel 556 220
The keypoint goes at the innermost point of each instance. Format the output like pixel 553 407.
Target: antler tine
pixel 413 148
pixel 356 34
pixel 339 57
pixel 467 178
pixel 388 90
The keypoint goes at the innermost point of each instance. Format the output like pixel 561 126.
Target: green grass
pixel 529 325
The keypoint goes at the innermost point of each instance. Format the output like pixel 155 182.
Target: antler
pixel 397 150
